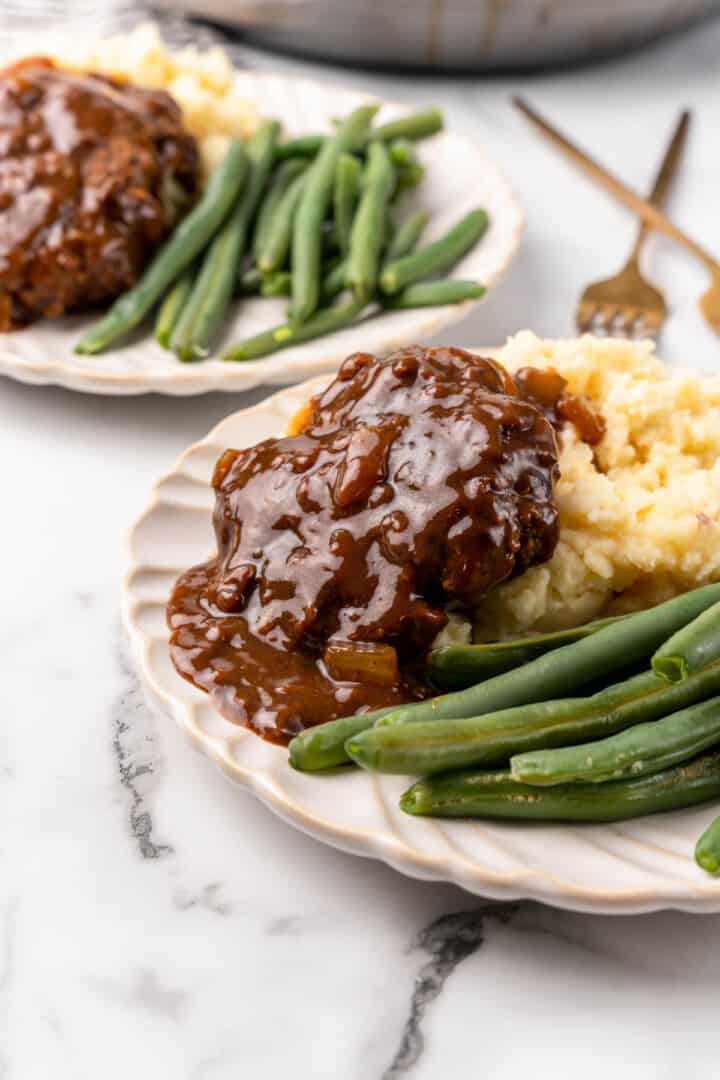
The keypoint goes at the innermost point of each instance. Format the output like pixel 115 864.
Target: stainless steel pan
pixel 453 34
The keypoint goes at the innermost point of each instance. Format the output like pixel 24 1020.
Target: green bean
pixel 325 321
pixel 212 291
pixel 312 210
pixel 409 176
pixel 176 254
pixel 302 146
pixel 347 189
pixel 436 257
pixel 564 670
pixel 284 175
pixel 435 293
pixel 275 284
pixel 322 747
pixel 454 667
pixel 494 738
pixel 334 282
pixel 215 284
pixel 171 308
pixel 645 748
pixel 413 126
pixel 707 850
pixel 250 282
pixel 496 795
pixel 279 230
pixel 687 650
pixel 407 235
pixel 366 240
pixel 402 153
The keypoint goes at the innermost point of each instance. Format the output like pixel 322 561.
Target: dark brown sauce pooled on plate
pixel 418 481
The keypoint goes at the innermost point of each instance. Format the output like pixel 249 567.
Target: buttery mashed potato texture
pixel 200 81
pixel 639 512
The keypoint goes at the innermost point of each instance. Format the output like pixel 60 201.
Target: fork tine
pixel 584 316
pixel 638 330
pixel 628 318
pixel 611 315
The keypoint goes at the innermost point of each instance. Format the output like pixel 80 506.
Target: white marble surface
pixel 154 921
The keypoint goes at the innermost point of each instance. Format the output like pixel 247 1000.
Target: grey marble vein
pixel 148 993
pixel 448 940
pixel 209 897
pixel 134 748
pixel 209 1066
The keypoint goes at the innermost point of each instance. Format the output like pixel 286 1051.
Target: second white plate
pixel 640 865
pixel 459 176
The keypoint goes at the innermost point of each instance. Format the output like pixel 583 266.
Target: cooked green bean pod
pixel 186 241
pixel 312 211
pixel 418 125
pixel 492 739
pixel 250 282
pixel 368 227
pixel 436 257
pixel 345 197
pixel 562 671
pixel 277 235
pixel 687 650
pixel 412 127
pixel 496 795
pixel 334 282
pixel 172 306
pixel 323 747
pixel 302 146
pixel 454 667
pixel 408 176
pixel 435 294
pixel 275 284
pixel 325 321
pixel 402 153
pixel 211 293
pixel 707 850
pixel 284 175
pixel 645 748
pixel 216 281
pixel 407 235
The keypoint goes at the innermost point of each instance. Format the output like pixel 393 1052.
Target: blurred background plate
pixel 459 176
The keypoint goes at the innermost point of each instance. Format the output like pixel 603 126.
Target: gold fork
pixel 654 217
pixel 627 303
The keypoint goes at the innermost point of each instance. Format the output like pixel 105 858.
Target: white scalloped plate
pixel 640 865
pixel 459 177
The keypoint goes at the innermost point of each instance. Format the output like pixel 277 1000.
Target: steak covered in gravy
pixel 417 483
pixel 92 174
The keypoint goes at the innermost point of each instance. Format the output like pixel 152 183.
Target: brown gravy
pixel 418 482
pixel 92 171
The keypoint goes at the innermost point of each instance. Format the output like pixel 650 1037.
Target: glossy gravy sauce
pixel 418 482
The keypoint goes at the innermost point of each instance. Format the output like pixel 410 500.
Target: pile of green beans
pixel 310 219
pixel 646 744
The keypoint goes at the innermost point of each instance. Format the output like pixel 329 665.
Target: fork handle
pixel 664 178
pixel 651 215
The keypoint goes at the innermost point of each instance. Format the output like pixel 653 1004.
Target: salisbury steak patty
pixel 418 481
pixel 92 173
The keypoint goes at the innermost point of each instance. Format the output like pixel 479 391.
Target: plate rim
pixel 215 376
pixel 530 884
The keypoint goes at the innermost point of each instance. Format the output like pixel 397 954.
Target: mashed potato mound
pixel 201 81
pixel 640 512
